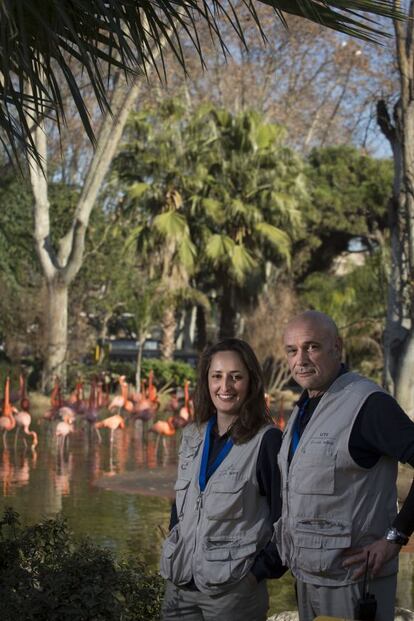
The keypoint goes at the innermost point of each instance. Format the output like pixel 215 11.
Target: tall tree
pixel 61 262
pixel 221 188
pixel 399 130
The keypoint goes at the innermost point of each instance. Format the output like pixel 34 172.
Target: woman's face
pixel 228 382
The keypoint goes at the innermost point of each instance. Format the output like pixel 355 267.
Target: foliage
pixel 46 574
pixel 350 193
pixel 42 41
pixel 166 372
pixel 210 194
pixel 357 302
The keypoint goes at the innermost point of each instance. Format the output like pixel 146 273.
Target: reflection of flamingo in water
pixel 7 421
pixel 112 423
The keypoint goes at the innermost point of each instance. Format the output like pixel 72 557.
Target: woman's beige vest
pixel 219 532
pixel 329 502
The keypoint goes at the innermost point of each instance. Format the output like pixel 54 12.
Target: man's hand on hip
pixel 380 552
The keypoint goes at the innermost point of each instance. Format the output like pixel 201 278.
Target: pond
pixel 118 495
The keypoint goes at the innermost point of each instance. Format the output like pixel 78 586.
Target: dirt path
pixel 155 482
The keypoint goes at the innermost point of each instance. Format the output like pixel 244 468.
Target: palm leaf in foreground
pixel 40 39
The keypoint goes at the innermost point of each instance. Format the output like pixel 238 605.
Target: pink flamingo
pixel 164 429
pixel 23 420
pixel 122 401
pixel 112 423
pixel 77 399
pixel 64 428
pixel 151 391
pixel 7 421
pixel 91 413
pixel 185 414
pixel 56 401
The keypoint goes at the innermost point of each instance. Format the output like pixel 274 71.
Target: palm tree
pixel 42 40
pixel 212 195
pixel 248 208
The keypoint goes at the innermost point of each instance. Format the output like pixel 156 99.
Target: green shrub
pixel 165 371
pixel 45 574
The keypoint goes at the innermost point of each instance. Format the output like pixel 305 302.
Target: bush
pixel 45 574
pixel 165 371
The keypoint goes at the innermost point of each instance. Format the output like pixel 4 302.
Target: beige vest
pixel 219 532
pixel 329 502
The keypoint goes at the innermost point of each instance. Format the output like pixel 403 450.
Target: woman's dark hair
pixel 254 412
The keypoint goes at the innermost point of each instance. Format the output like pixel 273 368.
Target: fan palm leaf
pixel 40 39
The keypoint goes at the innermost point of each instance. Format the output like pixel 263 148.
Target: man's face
pixel 314 354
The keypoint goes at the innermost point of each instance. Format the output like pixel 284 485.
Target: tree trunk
pixel 399 330
pixel 56 335
pixel 64 263
pixel 138 366
pixel 201 329
pixel 169 325
pixel 228 314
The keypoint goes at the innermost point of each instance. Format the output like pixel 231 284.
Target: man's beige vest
pixel 219 532
pixel 329 502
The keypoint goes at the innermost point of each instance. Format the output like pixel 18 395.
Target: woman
pixel 218 552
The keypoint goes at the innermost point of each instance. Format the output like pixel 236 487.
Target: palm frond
pixel 171 224
pixel 42 40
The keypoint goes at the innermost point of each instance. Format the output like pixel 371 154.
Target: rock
pixel 288 615
pixel 401 614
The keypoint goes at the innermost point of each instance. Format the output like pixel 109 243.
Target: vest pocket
pixel 315 474
pixel 168 554
pixel 225 500
pixel 318 545
pixel 181 490
pixel 226 560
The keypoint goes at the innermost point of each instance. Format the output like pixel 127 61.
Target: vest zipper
pixel 198 507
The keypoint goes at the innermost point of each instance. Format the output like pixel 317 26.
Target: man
pixel 338 463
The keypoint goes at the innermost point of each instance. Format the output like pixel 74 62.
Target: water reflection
pixel 50 480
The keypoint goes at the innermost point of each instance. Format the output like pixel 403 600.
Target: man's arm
pixel 382 428
pixel 267 563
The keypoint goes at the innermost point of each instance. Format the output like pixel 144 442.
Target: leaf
pixel 219 248
pixel 278 238
pixel 171 224
pixel 187 253
pixel 242 262
pixel 137 189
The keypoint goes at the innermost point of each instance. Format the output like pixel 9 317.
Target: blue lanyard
pixel 206 472
pixel 296 428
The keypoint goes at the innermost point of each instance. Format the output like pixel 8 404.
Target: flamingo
pixel 151 391
pixel 77 398
pixel 184 415
pixel 122 401
pixel 164 429
pixel 112 423
pixel 280 420
pixel 23 420
pixel 7 420
pixel 56 401
pixel 91 413
pixel 62 431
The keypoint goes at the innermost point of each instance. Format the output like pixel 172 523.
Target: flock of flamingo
pixel 123 407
